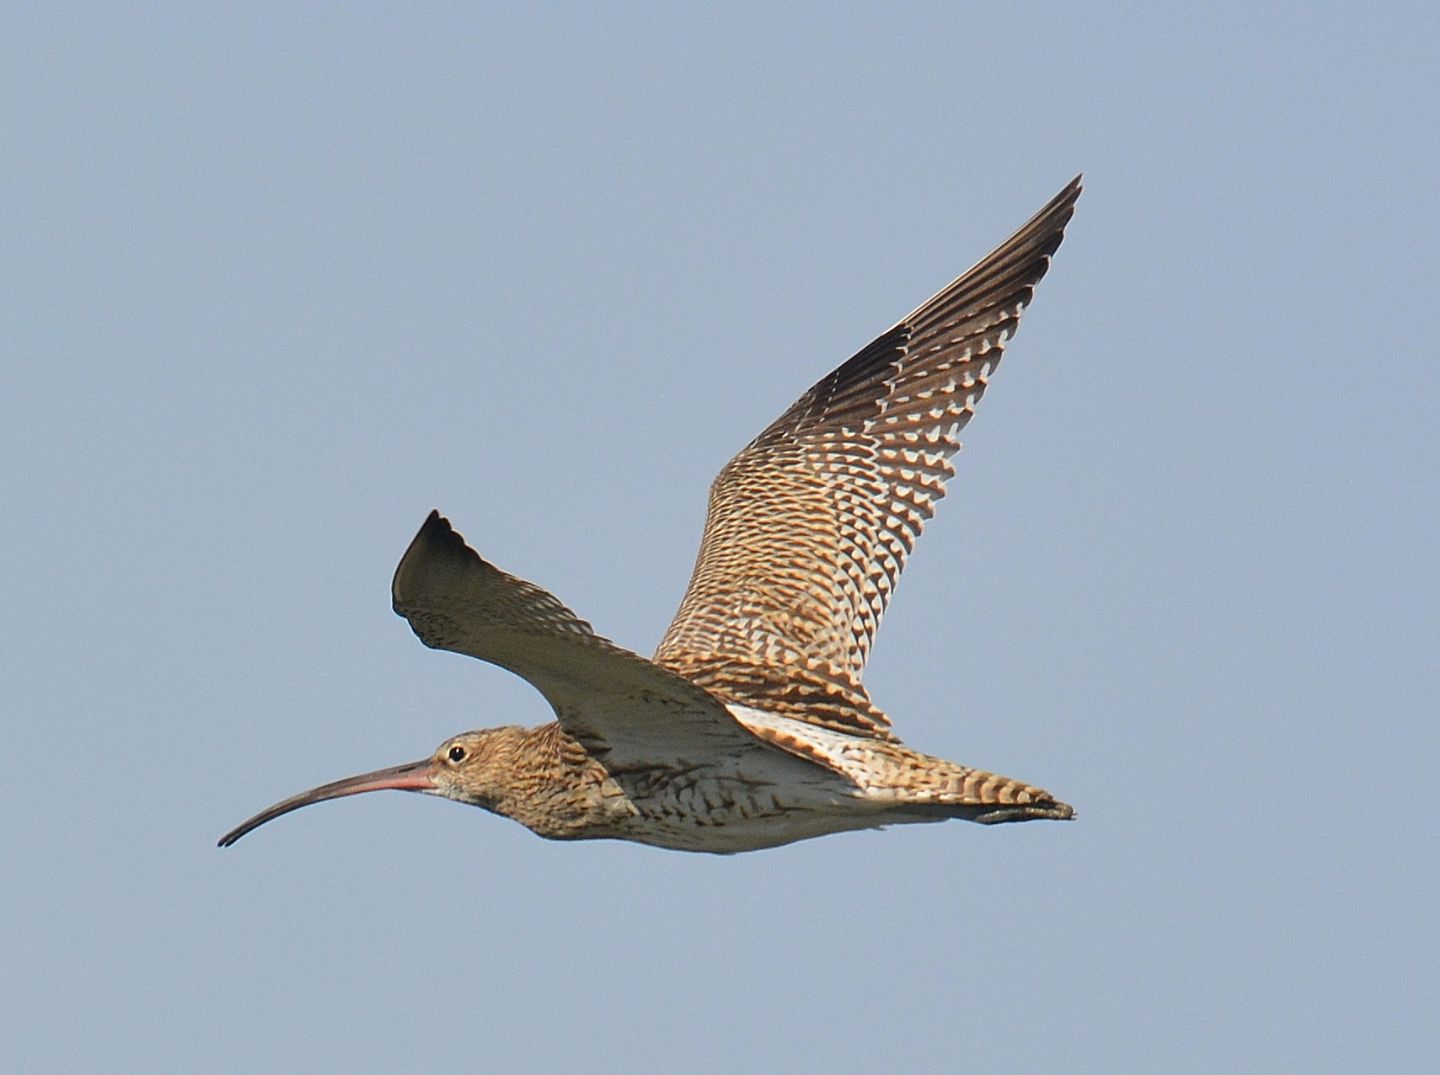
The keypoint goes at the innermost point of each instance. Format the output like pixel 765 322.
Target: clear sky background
pixel 277 282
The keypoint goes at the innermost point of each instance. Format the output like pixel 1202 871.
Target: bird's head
pixel 470 767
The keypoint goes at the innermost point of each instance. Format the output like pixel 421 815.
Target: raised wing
pixel 626 710
pixel 810 525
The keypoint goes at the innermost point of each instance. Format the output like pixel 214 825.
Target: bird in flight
pixel 749 728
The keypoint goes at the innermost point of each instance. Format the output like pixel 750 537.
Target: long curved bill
pixel 413 776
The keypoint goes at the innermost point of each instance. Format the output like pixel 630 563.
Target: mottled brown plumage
pixel 750 727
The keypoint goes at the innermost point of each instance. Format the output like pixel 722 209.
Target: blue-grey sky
pixel 278 281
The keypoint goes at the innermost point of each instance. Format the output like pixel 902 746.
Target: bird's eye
pixel 456 754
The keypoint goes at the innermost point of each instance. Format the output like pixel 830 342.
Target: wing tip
pixel 1053 219
pixel 438 537
pixel 1047 227
pixel 436 542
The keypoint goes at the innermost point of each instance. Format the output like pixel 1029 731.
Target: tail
pixel 933 787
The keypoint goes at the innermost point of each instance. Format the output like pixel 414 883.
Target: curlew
pixel 749 728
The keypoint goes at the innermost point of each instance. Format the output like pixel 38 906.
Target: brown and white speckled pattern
pixel 750 728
